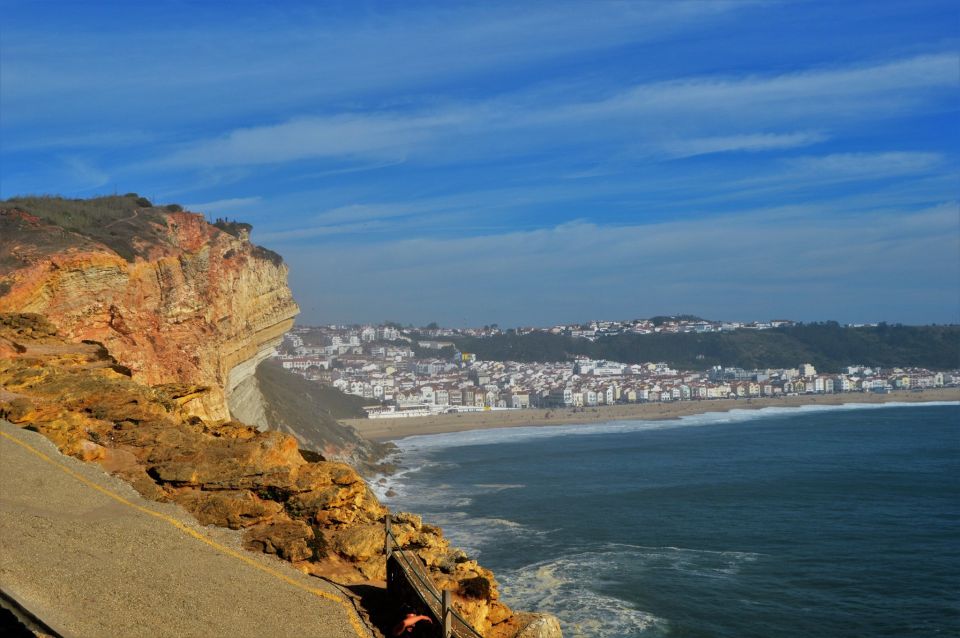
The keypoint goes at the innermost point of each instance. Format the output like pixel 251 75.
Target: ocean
pixel 823 521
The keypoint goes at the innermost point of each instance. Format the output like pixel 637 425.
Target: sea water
pixel 823 521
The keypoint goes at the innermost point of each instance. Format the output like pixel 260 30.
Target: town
pixel 414 372
pixel 595 329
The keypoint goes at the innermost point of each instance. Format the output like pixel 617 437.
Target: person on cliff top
pixel 409 623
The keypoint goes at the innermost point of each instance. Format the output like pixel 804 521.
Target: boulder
pixel 358 543
pixel 288 539
pixel 233 509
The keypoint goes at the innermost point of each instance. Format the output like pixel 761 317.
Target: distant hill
pixel 828 346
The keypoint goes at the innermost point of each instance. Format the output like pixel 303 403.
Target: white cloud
pixel 269 58
pixel 857 165
pixel 864 90
pixel 752 142
pixel 681 118
pixel 360 212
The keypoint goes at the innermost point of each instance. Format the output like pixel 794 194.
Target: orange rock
pixel 288 539
pixel 193 306
pixel 233 509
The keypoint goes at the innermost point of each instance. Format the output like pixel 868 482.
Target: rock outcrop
pixel 127 332
pixel 320 515
pixel 169 294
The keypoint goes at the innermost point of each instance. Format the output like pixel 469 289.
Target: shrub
pixel 478 587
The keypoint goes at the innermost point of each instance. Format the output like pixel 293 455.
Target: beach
pixel 392 429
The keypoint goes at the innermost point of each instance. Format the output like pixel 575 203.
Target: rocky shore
pixel 392 429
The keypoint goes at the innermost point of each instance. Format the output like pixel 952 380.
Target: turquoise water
pixel 822 521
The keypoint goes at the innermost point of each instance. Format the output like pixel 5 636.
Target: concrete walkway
pixel 90 557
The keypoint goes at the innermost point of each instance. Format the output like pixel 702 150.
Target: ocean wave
pixel 499 487
pixel 571 587
pixel 473 533
pixel 567 588
pixel 417 446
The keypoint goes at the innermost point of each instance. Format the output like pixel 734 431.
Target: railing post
pixel 447 614
pixel 387 542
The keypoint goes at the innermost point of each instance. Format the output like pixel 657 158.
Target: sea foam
pixel 571 587
pixel 568 587
pixel 412 448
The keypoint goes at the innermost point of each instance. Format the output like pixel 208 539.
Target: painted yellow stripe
pixel 355 621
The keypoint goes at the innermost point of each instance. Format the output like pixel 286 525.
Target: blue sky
pixel 522 162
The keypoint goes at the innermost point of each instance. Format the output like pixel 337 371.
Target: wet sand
pixel 392 429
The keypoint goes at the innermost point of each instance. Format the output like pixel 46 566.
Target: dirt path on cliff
pixel 90 557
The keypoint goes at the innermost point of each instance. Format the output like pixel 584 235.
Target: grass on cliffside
pixel 122 222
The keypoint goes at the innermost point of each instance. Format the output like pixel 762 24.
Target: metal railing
pixel 438 602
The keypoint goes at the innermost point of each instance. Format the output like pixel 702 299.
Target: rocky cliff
pixel 126 330
pixel 167 293
pixel 318 514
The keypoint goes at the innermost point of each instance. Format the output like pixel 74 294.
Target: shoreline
pixel 380 430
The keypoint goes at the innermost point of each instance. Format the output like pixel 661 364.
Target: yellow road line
pixel 355 621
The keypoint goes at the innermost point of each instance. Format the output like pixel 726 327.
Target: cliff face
pixel 147 324
pixel 188 301
pixel 317 514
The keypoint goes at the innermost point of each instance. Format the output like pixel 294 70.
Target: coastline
pixel 393 429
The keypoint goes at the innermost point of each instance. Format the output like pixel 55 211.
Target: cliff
pixel 318 514
pixel 128 335
pixel 170 295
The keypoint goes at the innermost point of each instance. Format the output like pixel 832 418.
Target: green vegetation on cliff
pixel 123 222
pixel 828 346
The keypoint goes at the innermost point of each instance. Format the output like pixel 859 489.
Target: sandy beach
pixel 392 429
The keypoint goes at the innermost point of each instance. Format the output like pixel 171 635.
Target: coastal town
pixel 406 372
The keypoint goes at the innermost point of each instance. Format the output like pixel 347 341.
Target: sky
pixel 521 163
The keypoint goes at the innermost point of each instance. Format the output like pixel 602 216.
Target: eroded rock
pixel 288 539
pixel 235 509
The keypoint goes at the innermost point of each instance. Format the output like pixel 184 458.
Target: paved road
pixel 89 556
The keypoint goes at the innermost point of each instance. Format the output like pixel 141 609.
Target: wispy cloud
pixel 230 205
pixel 752 142
pixel 672 119
pixel 861 165
pixel 287 55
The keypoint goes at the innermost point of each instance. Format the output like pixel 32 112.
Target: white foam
pixel 571 586
pixel 567 588
pixel 471 533
pixel 419 444
pixel 499 487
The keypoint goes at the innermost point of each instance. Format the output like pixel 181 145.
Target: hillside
pixel 827 346
pixel 310 412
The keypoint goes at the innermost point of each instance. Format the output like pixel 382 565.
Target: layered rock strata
pixel 194 303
